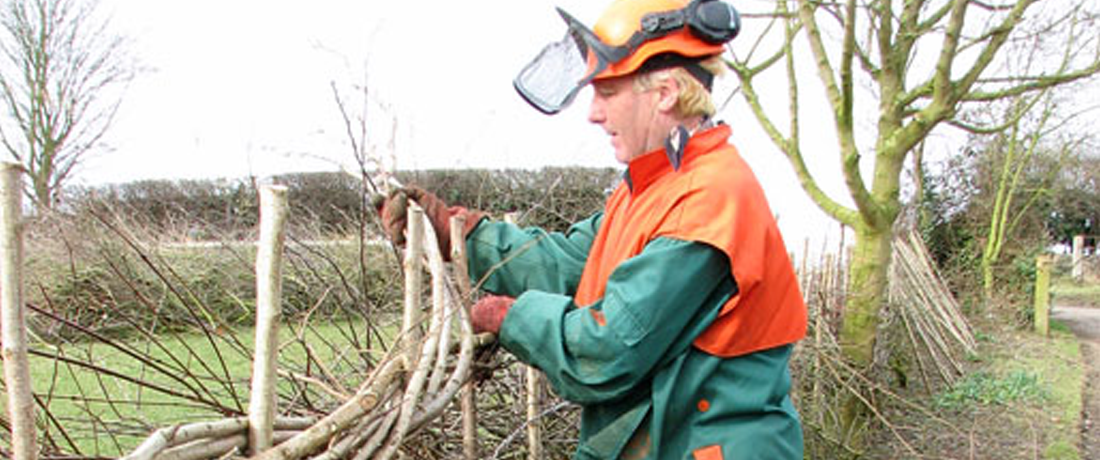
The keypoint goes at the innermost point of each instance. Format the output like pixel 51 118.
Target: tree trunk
pixel 987 277
pixel 868 278
pixel 866 293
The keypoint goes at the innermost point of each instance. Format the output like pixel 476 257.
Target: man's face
pixel 626 115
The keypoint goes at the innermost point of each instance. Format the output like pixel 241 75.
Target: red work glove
pixel 488 313
pixel 394 213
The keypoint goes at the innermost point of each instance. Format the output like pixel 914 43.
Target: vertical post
pixel 534 400
pixel 269 286
pixel 414 279
pixel 1078 270
pixel 14 335
pixel 468 401
pixel 534 395
pixel 1042 294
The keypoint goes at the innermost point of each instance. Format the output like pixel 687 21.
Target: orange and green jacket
pixel 669 317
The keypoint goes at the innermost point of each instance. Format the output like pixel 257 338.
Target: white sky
pixel 242 87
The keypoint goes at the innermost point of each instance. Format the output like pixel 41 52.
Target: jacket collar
pixel 643 171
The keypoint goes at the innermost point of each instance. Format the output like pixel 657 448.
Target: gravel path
pixel 1085 323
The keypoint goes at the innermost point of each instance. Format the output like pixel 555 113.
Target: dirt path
pixel 1085 323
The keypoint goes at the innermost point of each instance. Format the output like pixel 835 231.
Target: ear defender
pixel 713 21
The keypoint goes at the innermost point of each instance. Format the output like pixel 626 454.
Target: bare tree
pixel 892 71
pixel 62 73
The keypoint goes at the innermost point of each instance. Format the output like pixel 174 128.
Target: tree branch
pixel 841 98
pixel 789 146
pixel 997 39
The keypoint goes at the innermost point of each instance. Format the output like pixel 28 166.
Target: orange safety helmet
pixel 629 34
pixel 625 18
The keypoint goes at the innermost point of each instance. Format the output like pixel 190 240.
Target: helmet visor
pixel 552 80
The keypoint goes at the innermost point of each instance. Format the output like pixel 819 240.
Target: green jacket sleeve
pixel 506 259
pixel 654 306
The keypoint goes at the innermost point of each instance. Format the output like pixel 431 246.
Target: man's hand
pixel 393 210
pixel 394 213
pixel 488 313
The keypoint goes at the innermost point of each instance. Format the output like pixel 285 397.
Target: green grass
pixel 988 389
pixel 1023 383
pixel 1070 293
pixel 83 403
pixel 1060 371
pixel 1063 375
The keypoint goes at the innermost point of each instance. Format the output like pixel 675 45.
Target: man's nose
pixel 595 111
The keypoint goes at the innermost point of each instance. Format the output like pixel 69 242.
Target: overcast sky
pixel 244 87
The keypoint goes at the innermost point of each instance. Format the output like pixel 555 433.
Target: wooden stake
pixel 24 445
pixel 468 402
pixel 1042 294
pixel 269 287
pixel 1077 270
pixel 414 279
pixel 534 396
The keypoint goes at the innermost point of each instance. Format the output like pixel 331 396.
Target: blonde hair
pixel 695 99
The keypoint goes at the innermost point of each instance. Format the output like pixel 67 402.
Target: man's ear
pixel 668 91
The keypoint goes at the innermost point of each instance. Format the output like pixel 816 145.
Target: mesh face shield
pixel 552 80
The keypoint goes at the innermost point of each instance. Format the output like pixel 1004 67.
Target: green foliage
pixel 957 206
pixel 985 388
pixel 948 230
pixel 1075 211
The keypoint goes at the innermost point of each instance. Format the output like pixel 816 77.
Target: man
pixel 671 315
